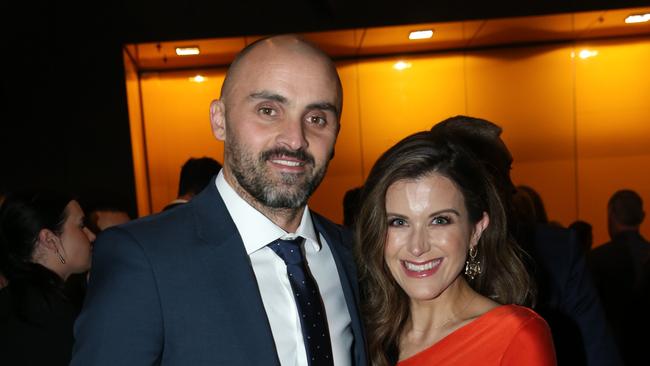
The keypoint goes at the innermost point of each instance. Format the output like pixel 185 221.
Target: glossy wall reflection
pixel 578 127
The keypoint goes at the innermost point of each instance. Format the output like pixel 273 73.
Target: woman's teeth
pixel 421 267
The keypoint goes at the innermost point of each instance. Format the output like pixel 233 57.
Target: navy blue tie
pixel 310 305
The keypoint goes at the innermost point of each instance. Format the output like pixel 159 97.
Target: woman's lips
pixel 421 269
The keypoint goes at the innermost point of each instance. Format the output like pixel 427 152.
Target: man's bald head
pixel 275 46
pixel 279 117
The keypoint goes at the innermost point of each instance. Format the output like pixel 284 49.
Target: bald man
pixel 209 283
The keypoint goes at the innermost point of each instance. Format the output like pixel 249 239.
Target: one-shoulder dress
pixel 506 335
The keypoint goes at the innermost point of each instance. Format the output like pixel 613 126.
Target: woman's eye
pixel 440 220
pixel 397 222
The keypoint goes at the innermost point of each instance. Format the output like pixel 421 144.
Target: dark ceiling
pixel 149 20
pixel 154 20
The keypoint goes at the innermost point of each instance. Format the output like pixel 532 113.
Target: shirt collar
pixel 255 229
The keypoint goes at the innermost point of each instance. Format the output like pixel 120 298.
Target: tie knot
pixel 288 250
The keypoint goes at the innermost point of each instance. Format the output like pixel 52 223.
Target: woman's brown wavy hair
pixel 385 305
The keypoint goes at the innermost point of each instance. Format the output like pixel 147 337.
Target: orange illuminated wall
pixel 176 119
pixel 613 127
pixel 578 128
pixel 138 138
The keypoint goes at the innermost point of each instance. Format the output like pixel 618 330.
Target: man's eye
pixel 267 111
pixel 317 120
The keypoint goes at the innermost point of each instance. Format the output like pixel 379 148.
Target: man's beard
pixel 291 190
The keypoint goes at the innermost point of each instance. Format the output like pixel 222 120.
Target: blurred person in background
pixel 621 271
pixel 196 173
pixel 43 240
pixel 351 203
pixel 101 217
pixel 584 234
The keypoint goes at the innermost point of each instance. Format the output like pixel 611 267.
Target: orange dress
pixel 505 335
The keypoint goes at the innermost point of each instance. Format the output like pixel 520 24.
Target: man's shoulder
pixel 556 249
pixel 606 256
pixel 154 233
pixel 559 237
pixel 639 241
pixel 160 223
pixel 604 249
pixel 173 205
pixel 600 250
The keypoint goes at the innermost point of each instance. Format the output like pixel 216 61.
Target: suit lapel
pixel 229 266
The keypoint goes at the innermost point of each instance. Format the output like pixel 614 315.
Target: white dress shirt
pixel 257 231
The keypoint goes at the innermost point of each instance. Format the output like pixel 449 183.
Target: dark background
pixel 64 121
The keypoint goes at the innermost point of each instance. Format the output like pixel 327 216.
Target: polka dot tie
pixel 310 306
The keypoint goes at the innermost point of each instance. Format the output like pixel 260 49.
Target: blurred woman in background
pixel 43 240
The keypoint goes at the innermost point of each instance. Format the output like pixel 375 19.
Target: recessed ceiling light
pixel 198 79
pixel 585 54
pixel 401 65
pixel 637 18
pixel 421 34
pixel 188 51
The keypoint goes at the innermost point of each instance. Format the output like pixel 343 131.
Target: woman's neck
pixel 432 320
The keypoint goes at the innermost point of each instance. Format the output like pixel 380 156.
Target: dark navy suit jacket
pixel 621 270
pixel 178 289
pixel 569 301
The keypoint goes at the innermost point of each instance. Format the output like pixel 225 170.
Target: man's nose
pixel 293 134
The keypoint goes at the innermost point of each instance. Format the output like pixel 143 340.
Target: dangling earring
pixel 57 250
pixel 60 257
pixel 472 265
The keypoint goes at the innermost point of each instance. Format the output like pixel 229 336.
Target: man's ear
pixel 480 226
pixel 218 119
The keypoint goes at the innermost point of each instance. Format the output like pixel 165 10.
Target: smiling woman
pixel 437 266
pixel 428 230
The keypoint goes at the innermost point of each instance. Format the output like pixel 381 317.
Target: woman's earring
pixel 60 257
pixel 473 265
